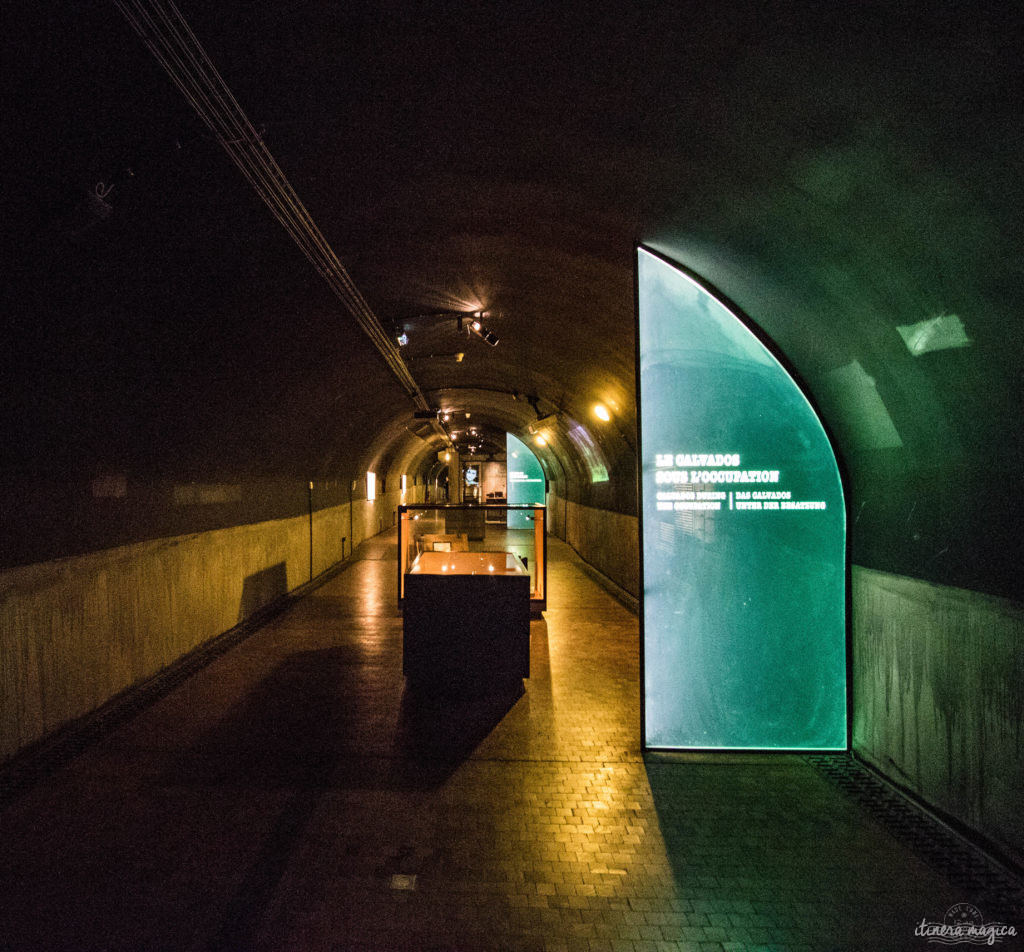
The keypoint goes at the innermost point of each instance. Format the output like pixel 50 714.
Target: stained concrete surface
pixel 292 795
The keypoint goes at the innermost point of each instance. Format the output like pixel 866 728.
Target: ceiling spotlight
pixel 475 327
pixel 601 412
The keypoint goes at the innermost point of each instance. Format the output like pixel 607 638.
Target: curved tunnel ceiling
pixel 847 174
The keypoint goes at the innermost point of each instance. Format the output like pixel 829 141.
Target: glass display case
pixel 425 529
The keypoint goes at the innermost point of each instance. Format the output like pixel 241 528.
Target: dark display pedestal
pixel 466 626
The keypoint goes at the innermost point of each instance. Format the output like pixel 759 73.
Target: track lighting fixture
pixel 476 327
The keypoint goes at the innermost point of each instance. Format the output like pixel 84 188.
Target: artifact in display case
pixel 425 527
pixel 467 602
pixel 494 512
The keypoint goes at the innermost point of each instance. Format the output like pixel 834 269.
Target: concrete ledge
pixel 78 632
pixel 616 591
pixel 35 762
pixel 609 542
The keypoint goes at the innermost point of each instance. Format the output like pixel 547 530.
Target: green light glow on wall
pixel 744 529
pixel 592 456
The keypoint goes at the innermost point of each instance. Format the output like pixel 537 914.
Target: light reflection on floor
pixel 293 795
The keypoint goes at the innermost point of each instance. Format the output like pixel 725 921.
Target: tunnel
pixel 266 264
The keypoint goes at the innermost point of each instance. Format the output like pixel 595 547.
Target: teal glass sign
pixel 744 535
pixel 525 480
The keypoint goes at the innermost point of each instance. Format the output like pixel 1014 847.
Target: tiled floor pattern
pixel 292 795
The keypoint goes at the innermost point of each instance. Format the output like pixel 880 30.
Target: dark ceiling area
pixel 848 174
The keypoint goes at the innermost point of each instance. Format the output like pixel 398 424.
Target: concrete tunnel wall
pixel 76 632
pixel 862 165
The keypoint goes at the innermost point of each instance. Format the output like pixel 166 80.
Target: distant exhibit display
pixel 744 535
pixel 526 484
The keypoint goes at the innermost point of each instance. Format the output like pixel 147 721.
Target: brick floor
pixel 292 795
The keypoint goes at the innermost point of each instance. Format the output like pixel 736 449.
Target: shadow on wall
pixel 262 588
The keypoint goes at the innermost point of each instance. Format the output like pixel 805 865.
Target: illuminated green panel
pixel 743 535
pixel 525 481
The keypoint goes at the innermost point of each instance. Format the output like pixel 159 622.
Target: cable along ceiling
pixel 170 39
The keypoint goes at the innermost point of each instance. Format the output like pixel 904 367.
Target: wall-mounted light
pixel 601 412
pixel 543 423
pixel 540 440
pixel 371 486
pixel 475 326
pixel 403 339
pixel 404 484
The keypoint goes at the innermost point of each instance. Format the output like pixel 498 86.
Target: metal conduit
pixel 170 39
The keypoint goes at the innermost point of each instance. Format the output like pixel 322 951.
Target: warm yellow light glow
pixel 371 486
pixel 539 440
pixel 601 412
pixel 405 483
pixel 447 457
